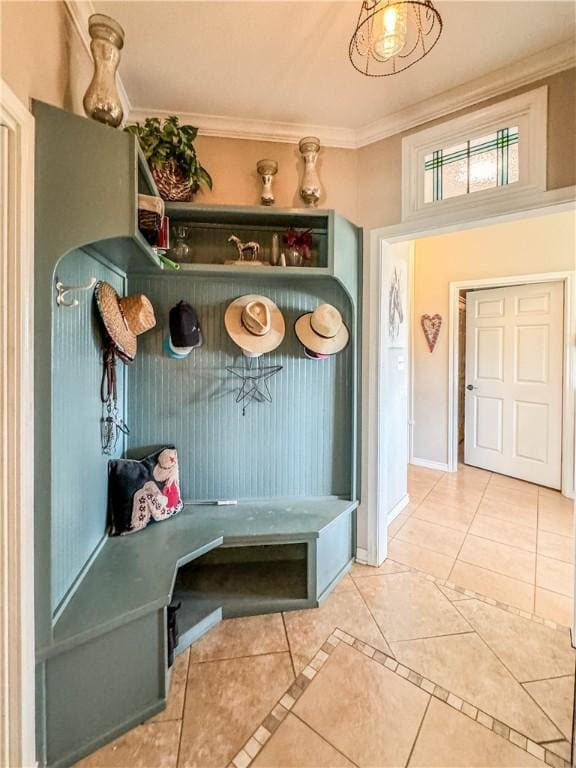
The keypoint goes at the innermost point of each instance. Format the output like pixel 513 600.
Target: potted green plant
pixel 171 155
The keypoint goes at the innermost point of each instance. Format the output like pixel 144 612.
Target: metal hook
pixel 62 290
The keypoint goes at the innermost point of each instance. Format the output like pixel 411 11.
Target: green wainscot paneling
pixel 79 473
pixel 298 445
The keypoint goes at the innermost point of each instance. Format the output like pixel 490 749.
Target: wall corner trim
pixel 17 683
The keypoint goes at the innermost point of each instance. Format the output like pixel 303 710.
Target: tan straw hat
pixel 124 319
pixel 255 324
pixel 322 331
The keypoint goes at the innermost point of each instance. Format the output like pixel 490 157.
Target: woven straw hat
pixel 322 331
pixel 255 324
pixel 124 318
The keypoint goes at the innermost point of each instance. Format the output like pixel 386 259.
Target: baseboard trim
pixel 397 508
pixel 439 465
pixel 362 555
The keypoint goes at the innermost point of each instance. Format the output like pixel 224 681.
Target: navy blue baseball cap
pixel 185 334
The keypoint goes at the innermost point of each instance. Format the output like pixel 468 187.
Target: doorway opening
pixel 480 525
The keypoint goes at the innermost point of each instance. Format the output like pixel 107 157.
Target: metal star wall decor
pixel 255 378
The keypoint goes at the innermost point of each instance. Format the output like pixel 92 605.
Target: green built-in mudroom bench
pixel 270 490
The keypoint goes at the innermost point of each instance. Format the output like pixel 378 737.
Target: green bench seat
pixel 218 561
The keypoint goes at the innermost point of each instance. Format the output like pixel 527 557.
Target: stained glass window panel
pixel 513 163
pixel 485 162
pixel 455 178
pixel 428 189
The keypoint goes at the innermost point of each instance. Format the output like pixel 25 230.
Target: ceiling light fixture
pixel 392 36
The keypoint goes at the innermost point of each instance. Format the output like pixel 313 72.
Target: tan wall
pixel 42 55
pixel 529 246
pixel 232 164
pixel 380 164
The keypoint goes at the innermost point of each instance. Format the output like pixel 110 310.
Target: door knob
pixel 470 387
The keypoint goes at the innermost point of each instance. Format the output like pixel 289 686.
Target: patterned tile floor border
pixel 246 755
pixel 488 600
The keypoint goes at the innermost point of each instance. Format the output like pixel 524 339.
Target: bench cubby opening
pixel 240 581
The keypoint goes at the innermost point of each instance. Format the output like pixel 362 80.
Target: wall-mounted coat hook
pixel 62 290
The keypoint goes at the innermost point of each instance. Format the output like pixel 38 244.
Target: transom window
pixel 489 159
pixel 471 166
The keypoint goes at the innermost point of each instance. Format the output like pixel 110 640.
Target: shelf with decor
pixel 205 231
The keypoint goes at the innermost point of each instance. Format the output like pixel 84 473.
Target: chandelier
pixel 392 36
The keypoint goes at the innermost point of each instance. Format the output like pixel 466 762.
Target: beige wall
pixel 232 164
pixel 529 246
pixel 380 164
pixel 42 56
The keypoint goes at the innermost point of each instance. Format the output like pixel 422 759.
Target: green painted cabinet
pixel 101 602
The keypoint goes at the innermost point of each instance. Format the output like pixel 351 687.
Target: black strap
pixel 108 383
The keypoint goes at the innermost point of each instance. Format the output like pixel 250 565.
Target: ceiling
pixel 288 61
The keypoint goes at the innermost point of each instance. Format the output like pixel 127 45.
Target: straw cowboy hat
pixel 124 318
pixel 255 324
pixel 322 331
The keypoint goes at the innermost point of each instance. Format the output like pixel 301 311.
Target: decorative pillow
pixel 143 490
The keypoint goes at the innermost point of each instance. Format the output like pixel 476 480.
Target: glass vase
pixel 101 100
pixel 310 189
pixel 293 257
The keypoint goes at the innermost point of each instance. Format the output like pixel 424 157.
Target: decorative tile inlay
pixel 546 752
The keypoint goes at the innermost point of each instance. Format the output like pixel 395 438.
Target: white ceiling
pixel 288 61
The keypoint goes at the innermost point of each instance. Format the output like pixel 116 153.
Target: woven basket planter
pixel 173 184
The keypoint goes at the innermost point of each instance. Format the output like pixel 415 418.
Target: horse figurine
pixel 246 251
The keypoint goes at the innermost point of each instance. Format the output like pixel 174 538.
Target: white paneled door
pixel 514 353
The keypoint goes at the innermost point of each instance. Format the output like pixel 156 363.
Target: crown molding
pixel 523 72
pixel 255 130
pixel 537 67
pixel 79 12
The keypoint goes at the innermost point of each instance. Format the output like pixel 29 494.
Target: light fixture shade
pixel 392 36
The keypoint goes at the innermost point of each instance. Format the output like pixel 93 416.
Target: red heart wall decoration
pixel 431 325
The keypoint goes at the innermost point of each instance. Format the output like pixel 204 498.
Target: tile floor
pixel 492 534
pixel 440 657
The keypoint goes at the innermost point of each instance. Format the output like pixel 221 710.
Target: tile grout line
pixel 244 656
pixel 504 543
pixel 373 617
pixel 499 573
pixel 349 759
pixel 262 733
pixel 513 676
pixel 288 643
pixel 469 526
pixel 510 522
pixel 183 709
pixel 543 679
pixel 470 631
pixel 418 731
